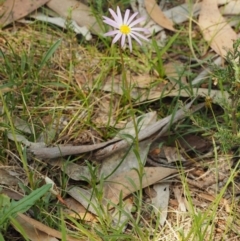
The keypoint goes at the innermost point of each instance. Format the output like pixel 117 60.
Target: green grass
pixel 54 85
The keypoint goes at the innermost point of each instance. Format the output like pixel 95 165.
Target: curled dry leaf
pixel 157 15
pixel 119 186
pixel 217 96
pixel 63 23
pixel 142 87
pixel 151 132
pixel 121 216
pixel 232 7
pixel 76 210
pixel 124 160
pixel 129 182
pixel 80 13
pixel 38 231
pixel 7 178
pixel 216 31
pixel 174 70
pixel 12 10
pixel 160 201
pixel 178 195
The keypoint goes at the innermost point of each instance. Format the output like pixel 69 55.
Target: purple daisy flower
pixel 124 27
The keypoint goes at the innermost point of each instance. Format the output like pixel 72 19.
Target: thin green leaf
pixel 49 53
pixel 24 204
pixel 1 237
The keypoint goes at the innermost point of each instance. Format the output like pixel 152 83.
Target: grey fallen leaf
pixel 151 132
pixel 63 24
pixel 218 61
pixel 173 70
pixel 77 172
pixel 160 201
pixel 217 96
pixel 12 10
pixel 115 144
pixel 80 13
pixel 47 135
pixel 22 125
pixel 121 161
pixel 23 140
pixel 232 7
pixel 178 14
pixel 121 216
pixel 86 198
pixel 124 160
pixel 173 154
pixel 120 186
pixel 7 178
pixel 61 150
pixel 204 74
pixel 32 232
pixel 142 122
pixel 180 199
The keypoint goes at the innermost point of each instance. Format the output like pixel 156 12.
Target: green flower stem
pixel 126 87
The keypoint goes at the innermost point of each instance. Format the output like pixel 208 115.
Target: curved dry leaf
pixel 143 121
pixel 157 15
pixel 129 182
pixel 119 187
pixel 121 216
pixel 77 172
pixel 173 70
pixel 161 200
pixel 36 230
pixel 232 7
pixel 80 13
pixel 140 89
pixel 217 96
pixel 124 160
pixel 216 31
pixel 7 179
pixel 63 23
pixel 151 132
pixel 178 195
pixel 78 211
pixel 12 10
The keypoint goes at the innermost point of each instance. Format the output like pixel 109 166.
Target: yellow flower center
pixel 124 29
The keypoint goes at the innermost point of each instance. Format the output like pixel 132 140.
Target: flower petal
pixel 131 18
pixel 139 36
pixel 117 37
pixel 126 16
pixel 136 21
pixel 130 43
pixel 111 22
pixel 123 40
pixel 114 15
pixel 133 36
pixel 120 20
pixel 111 33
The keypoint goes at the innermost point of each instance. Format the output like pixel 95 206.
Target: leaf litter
pixel 115 158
